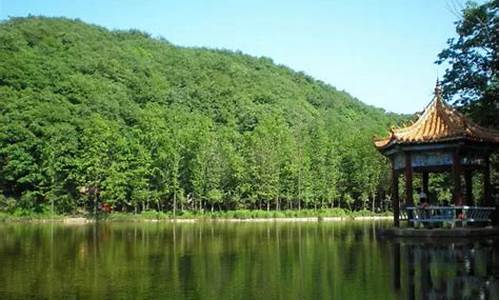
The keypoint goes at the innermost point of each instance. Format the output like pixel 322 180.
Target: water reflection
pixel 237 261
pixel 445 269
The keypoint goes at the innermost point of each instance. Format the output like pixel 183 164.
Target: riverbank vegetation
pixel 153 215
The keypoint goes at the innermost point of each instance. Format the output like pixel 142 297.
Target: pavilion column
pixel 395 194
pixel 410 256
pixel 408 180
pixel 425 184
pixel 456 171
pixel 468 188
pixel 396 272
pixel 486 182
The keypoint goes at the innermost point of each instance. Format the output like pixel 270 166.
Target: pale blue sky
pixel 381 52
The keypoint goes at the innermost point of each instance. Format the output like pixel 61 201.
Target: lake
pixel 205 260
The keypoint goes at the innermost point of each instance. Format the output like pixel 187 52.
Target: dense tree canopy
pixel 90 116
pixel 472 79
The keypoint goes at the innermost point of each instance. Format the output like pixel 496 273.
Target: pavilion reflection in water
pixel 445 269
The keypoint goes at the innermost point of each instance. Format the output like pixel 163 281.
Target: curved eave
pixel 384 144
pixel 439 123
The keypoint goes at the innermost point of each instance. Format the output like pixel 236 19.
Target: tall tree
pixel 143 123
pixel 472 79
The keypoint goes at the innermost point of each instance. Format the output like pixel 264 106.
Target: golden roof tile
pixel 439 123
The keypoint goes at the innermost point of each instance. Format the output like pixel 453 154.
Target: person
pixel 423 198
pixel 424 213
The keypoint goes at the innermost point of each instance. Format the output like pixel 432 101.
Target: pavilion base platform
pixel 457 232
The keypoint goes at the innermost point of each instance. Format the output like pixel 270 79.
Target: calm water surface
pixel 341 260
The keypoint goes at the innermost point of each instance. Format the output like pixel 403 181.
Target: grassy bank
pixel 207 215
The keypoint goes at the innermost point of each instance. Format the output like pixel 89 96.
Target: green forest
pixel 92 117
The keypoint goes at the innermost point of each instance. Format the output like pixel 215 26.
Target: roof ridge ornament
pixel 439 123
pixel 437 89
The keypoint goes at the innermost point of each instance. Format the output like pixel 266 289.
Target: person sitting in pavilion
pixel 422 198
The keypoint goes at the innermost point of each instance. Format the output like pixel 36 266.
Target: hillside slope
pixel 147 124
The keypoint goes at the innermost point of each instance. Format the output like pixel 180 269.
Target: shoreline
pixel 83 220
pixel 230 216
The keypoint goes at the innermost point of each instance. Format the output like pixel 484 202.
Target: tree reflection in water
pixel 246 261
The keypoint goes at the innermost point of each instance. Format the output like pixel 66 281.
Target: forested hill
pixel 150 125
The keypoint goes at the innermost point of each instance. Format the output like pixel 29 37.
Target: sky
pixel 379 51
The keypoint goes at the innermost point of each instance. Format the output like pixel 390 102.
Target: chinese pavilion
pixel 441 140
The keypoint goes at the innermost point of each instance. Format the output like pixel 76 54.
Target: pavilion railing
pixel 449 214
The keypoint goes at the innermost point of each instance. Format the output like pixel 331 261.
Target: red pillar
pixel 487 199
pixel 456 171
pixel 395 194
pixel 425 184
pixel 408 180
pixel 468 188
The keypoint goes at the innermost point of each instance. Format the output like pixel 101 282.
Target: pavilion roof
pixel 438 123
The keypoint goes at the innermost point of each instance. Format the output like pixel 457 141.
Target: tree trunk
pixel 175 203
pixel 373 202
